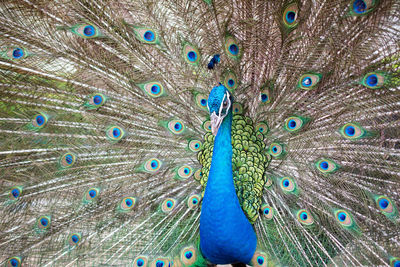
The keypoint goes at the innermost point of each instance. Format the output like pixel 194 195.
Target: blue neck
pixel 226 236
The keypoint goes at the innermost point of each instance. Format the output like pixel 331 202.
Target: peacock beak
pixel 215 123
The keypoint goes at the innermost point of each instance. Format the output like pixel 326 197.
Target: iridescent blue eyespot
pixel 203 102
pixel 259 259
pixel 188 255
pixel 372 80
pixel 192 56
pixel 15 193
pixel 155 89
pixel 140 261
pixel 288 185
pixel 97 100
pixel 149 36
pixel 231 82
pixel 395 262
pixel 350 130
pixel 168 205
pixel 193 201
pixel 92 193
pixel 159 264
pixel 359 6
pixel 383 203
pixel 306 82
pixel 43 222
pixel 154 164
pixel 74 238
pixel 267 211
pixel 290 17
pixel 376 79
pixel 292 124
pixel 14 262
pixel 324 165
pixel 233 48
pixel 89 31
pixel 67 160
pixel 17 53
pixel 176 126
pixel 264 97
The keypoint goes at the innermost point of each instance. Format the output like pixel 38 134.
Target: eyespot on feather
pixel 188 255
pixel 184 172
pixel 290 15
pixel 264 96
pixel 294 123
pixel 207 126
pixel 15 53
pixel 193 201
pixel 152 165
pixel 91 194
pixel 197 175
pixel 362 7
pixel 201 101
pixel 146 35
pixel 153 89
pixel 262 127
pixel 267 211
pixel 15 193
pixel 231 47
pixel 191 54
pixel 160 262
pixel 115 133
pixel 394 262
pixel 95 101
pixel 86 31
pixel 140 261
pixel 375 80
pixel 39 121
pixel 237 108
pixel 276 150
pixel 259 259
pixel 43 222
pixel 344 218
pixel 230 80
pixel 127 204
pixel 352 131
pixel 326 166
pixel 309 81
pixel 176 126
pixel 14 262
pixel 67 160
pixel 386 206
pixel 304 217
pixel 74 239
pixel 168 205
pixel 288 185
pixel 194 145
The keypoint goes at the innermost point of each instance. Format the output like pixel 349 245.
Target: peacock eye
pixel 225 104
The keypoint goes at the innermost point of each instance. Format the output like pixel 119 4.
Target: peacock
pixel 200 132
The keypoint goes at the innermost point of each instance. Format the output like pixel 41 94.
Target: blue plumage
pixel 226 235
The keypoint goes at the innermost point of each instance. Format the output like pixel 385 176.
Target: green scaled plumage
pixel 106 143
pixel 250 161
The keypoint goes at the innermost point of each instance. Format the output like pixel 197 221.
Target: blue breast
pixel 226 236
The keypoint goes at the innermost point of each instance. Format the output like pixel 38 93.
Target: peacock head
pixel 219 103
